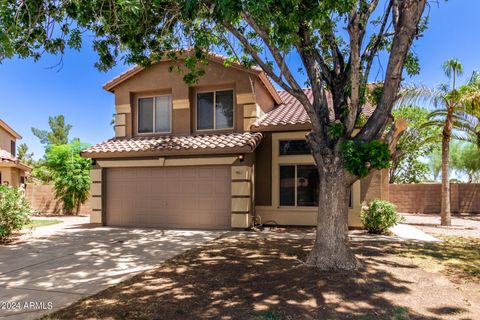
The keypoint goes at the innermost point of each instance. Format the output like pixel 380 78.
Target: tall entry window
pixel 215 110
pixel 155 114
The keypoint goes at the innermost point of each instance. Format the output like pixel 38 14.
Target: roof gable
pixel 9 130
pixel 110 85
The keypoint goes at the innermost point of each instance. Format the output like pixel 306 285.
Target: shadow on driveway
pixel 78 260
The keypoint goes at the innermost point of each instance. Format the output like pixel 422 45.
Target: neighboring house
pixel 208 156
pixel 12 171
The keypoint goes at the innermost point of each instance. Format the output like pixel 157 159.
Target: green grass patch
pixel 267 315
pixel 458 257
pixel 35 223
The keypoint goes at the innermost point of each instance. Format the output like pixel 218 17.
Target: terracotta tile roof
pixel 218 143
pixel 291 112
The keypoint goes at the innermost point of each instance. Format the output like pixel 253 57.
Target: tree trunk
pixel 445 211
pixel 78 208
pixel 445 219
pixel 331 250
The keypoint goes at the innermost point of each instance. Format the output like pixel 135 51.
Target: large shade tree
pixel 336 41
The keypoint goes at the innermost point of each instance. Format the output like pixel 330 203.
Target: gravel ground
pixel 462 225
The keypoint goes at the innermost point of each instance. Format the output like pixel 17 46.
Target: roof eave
pixel 263 77
pixel 196 152
pixel 10 130
pixel 286 127
pixel 282 127
pixel 15 164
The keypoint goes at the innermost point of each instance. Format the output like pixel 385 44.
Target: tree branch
pixel 373 47
pixel 320 114
pixel 265 67
pixel 308 45
pixel 280 61
pixel 410 15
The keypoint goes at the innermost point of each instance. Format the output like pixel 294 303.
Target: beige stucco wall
pixel 158 80
pixel 6 175
pixel 11 175
pixel 5 140
pixel 263 99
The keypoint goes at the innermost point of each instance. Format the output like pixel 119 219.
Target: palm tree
pixel 447 101
pixel 467 126
pixel 468 119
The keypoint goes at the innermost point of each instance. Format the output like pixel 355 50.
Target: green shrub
pixel 379 215
pixel 14 211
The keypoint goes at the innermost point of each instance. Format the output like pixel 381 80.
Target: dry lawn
pixel 262 277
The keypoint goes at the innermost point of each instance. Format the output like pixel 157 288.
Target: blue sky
pixel 31 92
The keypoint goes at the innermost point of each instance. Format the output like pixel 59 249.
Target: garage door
pixel 169 197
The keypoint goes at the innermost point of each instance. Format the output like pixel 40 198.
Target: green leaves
pixel 70 174
pixel 58 133
pixel 336 130
pixel 465 159
pixel 379 216
pixel 359 158
pixel 417 141
pixel 14 211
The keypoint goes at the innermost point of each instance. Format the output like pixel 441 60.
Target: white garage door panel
pixel 170 197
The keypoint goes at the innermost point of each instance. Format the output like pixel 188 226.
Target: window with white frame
pixel 155 114
pixel 215 110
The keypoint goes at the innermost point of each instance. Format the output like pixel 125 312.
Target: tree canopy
pixel 333 42
pixel 70 174
pixel 465 159
pixel 23 154
pixel 328 36
pixel 58 133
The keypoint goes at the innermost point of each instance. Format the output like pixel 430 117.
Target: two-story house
pixel 215 155
pixel 12 171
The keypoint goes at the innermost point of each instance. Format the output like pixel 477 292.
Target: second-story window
pixel 215 110
pixel 13 148
pixel 154 114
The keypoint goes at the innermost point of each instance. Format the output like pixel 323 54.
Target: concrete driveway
pixel 58 265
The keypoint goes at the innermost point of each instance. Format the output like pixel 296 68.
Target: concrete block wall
pixel 374 186
pixel 42 199
pixel 426 198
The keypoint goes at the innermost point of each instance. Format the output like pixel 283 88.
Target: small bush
pixel 379 215
pixel 14 211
